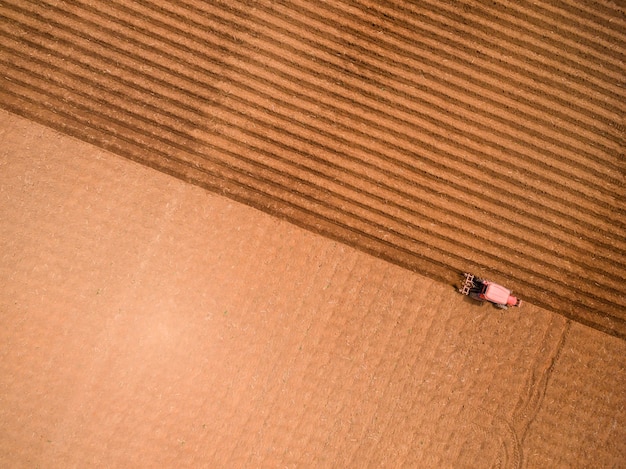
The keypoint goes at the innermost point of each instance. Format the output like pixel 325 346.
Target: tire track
pixel 348 144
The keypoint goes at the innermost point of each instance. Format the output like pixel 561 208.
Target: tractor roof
pixel 497 293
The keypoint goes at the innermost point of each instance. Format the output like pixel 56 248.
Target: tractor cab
pixel 497 294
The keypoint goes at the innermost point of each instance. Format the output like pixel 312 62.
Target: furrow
pixel 419 133
pixel 487 29
pixel 441 31
pixel 382 199
pixel 611 197
pixel 579 36
pixel 603 18
pixel 483 132
pixel 276 147
pixel 456 58
pixel 568 46
pixel 279 182
pixel 604 321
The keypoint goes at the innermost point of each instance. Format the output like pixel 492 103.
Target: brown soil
pixel 148 323
pixel 482 136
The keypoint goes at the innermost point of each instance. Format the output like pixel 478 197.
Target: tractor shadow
pixel 470 301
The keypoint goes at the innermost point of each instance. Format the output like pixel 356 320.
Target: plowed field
pixel 478 136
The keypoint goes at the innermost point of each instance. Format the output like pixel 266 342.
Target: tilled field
pixel 480 136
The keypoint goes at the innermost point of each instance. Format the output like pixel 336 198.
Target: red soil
pixel 148 323
pixel 483 136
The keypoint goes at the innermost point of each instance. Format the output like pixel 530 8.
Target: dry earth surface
pixel 149 323
pixel 482 136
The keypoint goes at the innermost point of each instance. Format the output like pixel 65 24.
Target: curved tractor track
pixel 479 136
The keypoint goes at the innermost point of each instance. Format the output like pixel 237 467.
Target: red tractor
pixel 485 290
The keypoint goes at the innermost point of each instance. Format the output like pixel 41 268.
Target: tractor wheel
pixel 501 306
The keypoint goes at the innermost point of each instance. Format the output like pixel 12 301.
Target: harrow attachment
pixel 467 285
